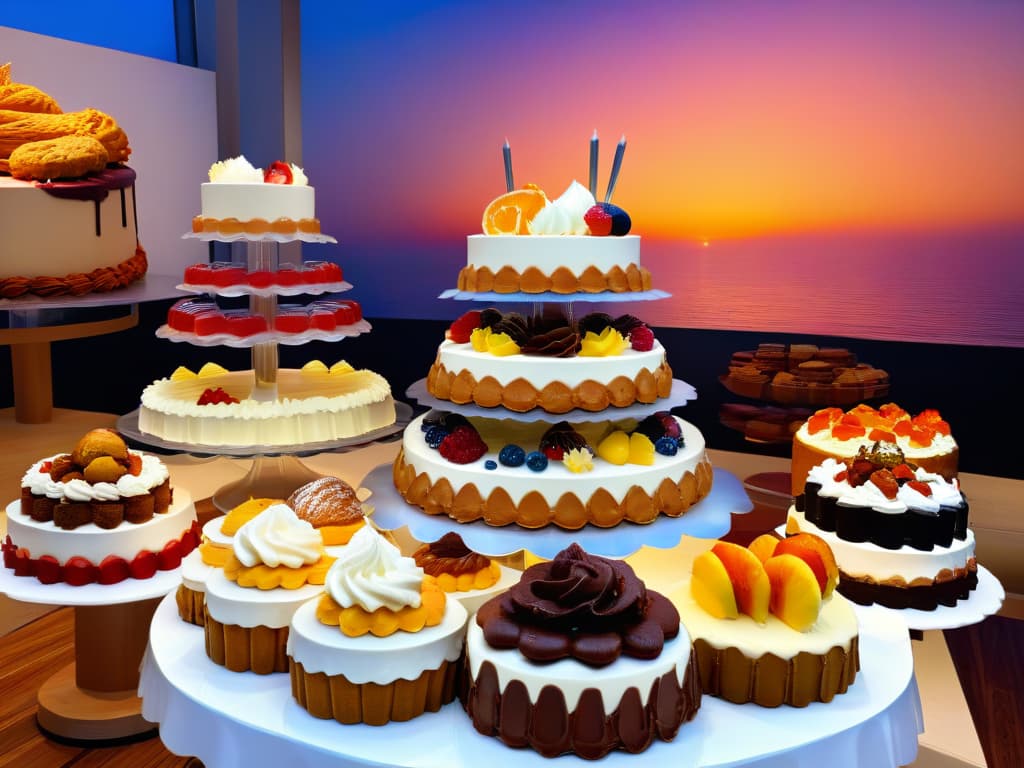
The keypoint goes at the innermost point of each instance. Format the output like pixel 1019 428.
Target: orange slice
pixel 511 213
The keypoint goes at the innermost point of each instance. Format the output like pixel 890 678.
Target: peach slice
pixel 796 597
pixel 615 448
pixel 711 587
pixel 816 553
pixel 764 546
pixel 641 449
pixel 749 581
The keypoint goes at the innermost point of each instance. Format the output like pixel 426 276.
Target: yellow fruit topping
pixel 608 344
pixel 641 449
pixel 181 373
pixel 501 345
pixel 795 596
pixel 511 213
pixel 314 366
pixel 356 622
pixel 214 554
pixel 265 577
pixel 615 448
pixel 711 587
pixel 341 367
pixel 578 460
pixel 814 551
pixel 764 546
pixel 335 535
pixel 750 583
pixel 212 369
pixel 466 582
pixel 243 513
pixel 478 338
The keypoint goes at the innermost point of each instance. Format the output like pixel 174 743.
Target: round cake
pixel 766 625
pixel 314 404
pixel 899 533
pixel 382 642
pixel 924 439
pixel 500 470
pixel 242 199
pixel 579 656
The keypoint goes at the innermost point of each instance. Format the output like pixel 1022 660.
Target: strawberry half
pixel 278 173
pixel 463 328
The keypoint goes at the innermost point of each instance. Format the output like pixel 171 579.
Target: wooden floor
pixel 989 658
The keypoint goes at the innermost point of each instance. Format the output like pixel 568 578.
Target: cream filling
pixel 194 571
pixel 541 371
pixel 823 441
pixel 572 677
pixel 151 475
pixel 95 543
pixel 370 659
pixel 867 559
pixel 836 626
pixel 549 252
pixel 250 607
pixel 227 200
pixel 556 479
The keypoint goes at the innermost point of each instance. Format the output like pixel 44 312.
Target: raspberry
pixel 554 452
pixel 599 221
pixel 463 445
pixel 278 173
pixel 461 329
pixel 435 435
pixel 666 446
pixel 537 461
pixel 512 456
pixel 641 338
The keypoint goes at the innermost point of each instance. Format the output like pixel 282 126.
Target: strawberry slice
pixel 78 571
pixel 278 173
pixel 463 327
pixel 113 570
pixel 48 570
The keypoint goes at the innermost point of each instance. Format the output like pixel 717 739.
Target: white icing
pixel 861 559
pixel 152 474
pixel 95 543
pixel 35 222
pixel 194 571
pixel 548 252
pixel 869 495
pixel 248 201
pixel 250 607
pixel 836 626
pixel 823 441
pixel 310 408
pixel 572 677
pixel 299 178
pixel 277 537
pixel 541 371
pixel 556 479
pixel 372 573
pixel 235 170
pixel 370 659
pixel 564 216
pixel 213 534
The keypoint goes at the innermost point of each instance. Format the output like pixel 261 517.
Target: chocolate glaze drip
pixel 580 606
pixel 589 731
pixel 924 598
pixel 450 555
pixel 95 187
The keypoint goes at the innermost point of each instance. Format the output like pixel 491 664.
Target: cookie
pixel 67 157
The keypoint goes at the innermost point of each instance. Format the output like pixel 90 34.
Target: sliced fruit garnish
pixel 749 581
pixel 764 546
pixel 641 449
pixel 711 587
pixel 615 448
pixel 795 595
pixel 814 551
pixel 511 213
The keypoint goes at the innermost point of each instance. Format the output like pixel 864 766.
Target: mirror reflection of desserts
pixel 67 201
pixel 763 423
pixel 803 374
pixel 767 624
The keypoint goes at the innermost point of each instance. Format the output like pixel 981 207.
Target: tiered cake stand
pixel 276 470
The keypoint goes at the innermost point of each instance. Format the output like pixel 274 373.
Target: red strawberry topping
pixel 885 482
pixel 79 571
pixel 47 569
pixel 461 329
pixel 923 488
pixel 641 339
pixel 169 557
pixel 113 570
pixel 902 472
pixel 143 565
pixel 214 396
pixel 463 445
pixel 278 173
pixel 599 220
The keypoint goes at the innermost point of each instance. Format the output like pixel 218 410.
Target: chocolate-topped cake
pixel 579 656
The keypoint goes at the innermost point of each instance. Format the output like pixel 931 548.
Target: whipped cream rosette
pixel 277 549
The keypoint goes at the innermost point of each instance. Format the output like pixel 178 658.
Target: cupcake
pixel 381 643
pixel 579 656
pixel 277 563
pixel 467 576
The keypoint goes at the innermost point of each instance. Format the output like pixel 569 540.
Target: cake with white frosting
pixel 580 657
pixel 899 532
pixel 382 643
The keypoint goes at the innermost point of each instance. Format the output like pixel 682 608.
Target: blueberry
pixel 666 446
pixel 621 222
pixel 537 461
pixel 490 464
pixel 681 441
pixel 435 435
pixel 512 456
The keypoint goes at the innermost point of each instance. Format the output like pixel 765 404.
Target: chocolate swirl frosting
pixel 558 342
pixel 582 606
pixel 450 555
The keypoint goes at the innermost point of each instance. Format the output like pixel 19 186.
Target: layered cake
pixel 550 362
pixel 924 439
pixel 467 576
pixel 533 245
pixel 382 643
pixel 535 474
pixel 580 657
pixel 69 198
pixel 313 404
pixel 766 624
pixel 899 532
pixel 277 563
pixel 240 198
pixel 102 513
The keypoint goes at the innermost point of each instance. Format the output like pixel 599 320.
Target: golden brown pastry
pixel 17 128
pixel 66 157
pixel 27 98
pixel 99 442
pixel 327 501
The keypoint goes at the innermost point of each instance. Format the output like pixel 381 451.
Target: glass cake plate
pixel 218 237
pixel 275 337
pixel 555 298
pixel 313 289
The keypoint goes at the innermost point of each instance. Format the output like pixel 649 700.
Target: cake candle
pixel 620 150
pixel 593 164
pixel 506 152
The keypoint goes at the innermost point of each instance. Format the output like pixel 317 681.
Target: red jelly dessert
pixel 209 323
pixel 292 322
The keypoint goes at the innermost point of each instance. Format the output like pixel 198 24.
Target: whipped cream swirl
pixel 153 473
pixel 944 493
pixel 277 537
pixel 236 170
pixel 564 216
pixel 371 573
